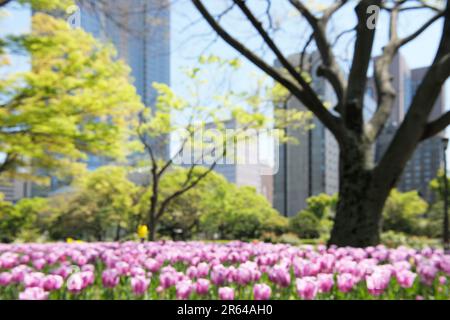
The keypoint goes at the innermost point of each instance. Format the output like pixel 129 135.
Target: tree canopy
pixel 76 99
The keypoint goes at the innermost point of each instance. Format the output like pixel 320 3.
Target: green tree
pixel 321 205
pixel 75 100
pixel 184 213
pixel 305 224
pixel 22 220
pixel 41 4
pixel 240 213
pixel 437 185
pixel 103 205
pixel 402 211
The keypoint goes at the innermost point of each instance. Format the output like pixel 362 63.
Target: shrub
pixel 402 212
pixel 394 239
pixel 305 225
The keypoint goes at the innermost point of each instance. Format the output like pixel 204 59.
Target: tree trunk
pixel 153 204
pixel 152 227
pixel 361 199
pixel 118 229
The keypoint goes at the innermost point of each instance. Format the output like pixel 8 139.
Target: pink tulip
pixel 137 271
pixel 152 265
pixel 139 285
pixel 345 282
pixel 427 272
pixel 88 267
pixel 226 293
pixel 280 275
pixel 39 264
pixel 110 278
pixel 34 293
pixel 325 282
pixel 122 268
pixel 167 279
pixel 218 275
pixel 5 279
pixel 75 283
pixel 52 282
pixel 191 272
pixel 405 278
pixel 184 289
pixel 261 291
pixel 33 279
pixel 202 269
pixel 88 278
pixel 378 282
pixel 202 286
pixel 18 273
pixel 307 288
pixel 243 276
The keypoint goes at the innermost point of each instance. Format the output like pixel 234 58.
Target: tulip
pixel 325 282
pixel 280 275
pixel 405 278
pixel 152 265
pixel 184 289
pixel 88 278
pixel 33 279
pixel 261 291
pixel 345 282
pixel 191 272
pixel 75 283
pixel 226 293
pixel 202 286
pixel 39 264
pixel 52 282
pixel 5 279
pixel 202 269
pixel 34 293
pixel 139 285
pixel 427 273
pixel 167 279
pixel 307 288
pixel 218 275
pixel 243 276
pixel 377 282
pixel 18 273
pixel 110 278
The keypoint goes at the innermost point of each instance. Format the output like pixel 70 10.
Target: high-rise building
pixel 427 158
pixel 310 166
pixel 15 189
pixel 140 32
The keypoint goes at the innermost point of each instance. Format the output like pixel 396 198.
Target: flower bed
pixel 235 270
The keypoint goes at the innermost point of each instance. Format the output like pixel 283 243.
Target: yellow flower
pixel 69 240
pixel 142 231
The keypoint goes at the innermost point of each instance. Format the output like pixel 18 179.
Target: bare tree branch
pixel 329 69
pixel 4 2
pixel 421 29
pixel 436 126
pixel 414 126
pixel 311 101
pixel 353 112
pixel 383 78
